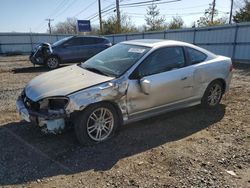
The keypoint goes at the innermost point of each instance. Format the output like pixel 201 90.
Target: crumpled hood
pixel 62 82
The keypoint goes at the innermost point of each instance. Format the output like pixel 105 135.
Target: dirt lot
pixel 187 148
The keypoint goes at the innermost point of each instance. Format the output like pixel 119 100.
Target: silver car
pixel 128 82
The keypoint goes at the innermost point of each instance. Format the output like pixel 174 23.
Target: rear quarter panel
pixel 206 72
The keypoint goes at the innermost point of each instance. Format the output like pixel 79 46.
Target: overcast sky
pixel 30 15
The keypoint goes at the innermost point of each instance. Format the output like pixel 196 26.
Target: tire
pixel 90 125
pixel 212 95
pixel 52 62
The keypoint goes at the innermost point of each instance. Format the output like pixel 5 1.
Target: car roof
pixel 155 43
pixel 90 36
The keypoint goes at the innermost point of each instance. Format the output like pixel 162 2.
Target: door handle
pixel 184 78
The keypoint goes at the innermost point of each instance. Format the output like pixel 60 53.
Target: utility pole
pixel 100 15
pixel 213 9
pixel 231 12
pixel 49 25
pixel 118 16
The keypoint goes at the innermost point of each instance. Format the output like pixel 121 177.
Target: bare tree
pixel 176 23
pixel 206 19
pixel 110 25
pixel 66 27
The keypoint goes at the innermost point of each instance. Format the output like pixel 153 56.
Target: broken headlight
pixel 55 103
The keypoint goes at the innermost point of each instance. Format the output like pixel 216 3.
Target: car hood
pixel 62 82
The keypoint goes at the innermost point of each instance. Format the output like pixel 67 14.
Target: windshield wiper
pixel 92 69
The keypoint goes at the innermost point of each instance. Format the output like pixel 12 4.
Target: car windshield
pixel 115 60
pixel 59 42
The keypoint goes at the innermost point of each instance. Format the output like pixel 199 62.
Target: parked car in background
pixel 130 81
pixel 68 50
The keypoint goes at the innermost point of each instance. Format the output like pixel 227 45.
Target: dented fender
pixel 113 91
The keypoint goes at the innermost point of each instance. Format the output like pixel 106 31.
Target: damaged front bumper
pixel 52 121
pixel 40 53
pixel 23 111
pixel 36 60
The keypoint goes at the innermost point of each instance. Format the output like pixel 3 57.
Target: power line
pixel 130 5
pixel 146 4
pixel 106 9
pixel 60 5
pixel 95 14
pixel 59 8
pixel 69 5
pixel 141 2
pixel 186 13
pixel 103 16
pixel 185 8
pixel 85 8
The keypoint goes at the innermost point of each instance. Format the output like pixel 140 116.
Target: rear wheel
pixel 212 95
pixel 96 124
pixel 52 62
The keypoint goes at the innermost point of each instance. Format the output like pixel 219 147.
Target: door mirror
pixel 145 86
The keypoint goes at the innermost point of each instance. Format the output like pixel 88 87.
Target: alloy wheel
pixel 52 62
pixel 100 124
pixel 214 95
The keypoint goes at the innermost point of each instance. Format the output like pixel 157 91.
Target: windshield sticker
pixel 136 50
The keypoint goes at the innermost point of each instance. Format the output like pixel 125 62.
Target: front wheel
pixel 52 62
pixel 96 124
pixel 212 95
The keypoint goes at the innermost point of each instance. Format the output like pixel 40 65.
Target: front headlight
pixel 49 50
pixel 55 103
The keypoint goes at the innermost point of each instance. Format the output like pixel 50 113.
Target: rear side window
pixel 89 40
pixel 74 41
pixel 99 40
pixel 196 56
pixel 93 40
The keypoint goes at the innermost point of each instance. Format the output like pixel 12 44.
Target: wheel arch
pixel 114 104
pixel 54 55
pixel 222 81
pixel 204 99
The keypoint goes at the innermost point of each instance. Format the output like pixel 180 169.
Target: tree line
pixel 154 21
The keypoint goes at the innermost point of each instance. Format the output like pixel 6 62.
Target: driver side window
pixel 162 60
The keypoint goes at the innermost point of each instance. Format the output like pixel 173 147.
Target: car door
pixel 69 51
pixel 85 47
pixel 92 46
pixel 162 78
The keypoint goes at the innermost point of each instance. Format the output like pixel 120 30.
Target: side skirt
pixel 160 110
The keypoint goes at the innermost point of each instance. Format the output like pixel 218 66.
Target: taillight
pixel 231 68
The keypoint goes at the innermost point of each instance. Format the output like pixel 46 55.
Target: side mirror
pixel 145 86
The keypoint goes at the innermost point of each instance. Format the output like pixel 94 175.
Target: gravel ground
pixel 192 147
